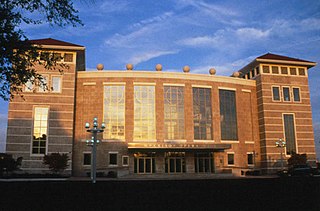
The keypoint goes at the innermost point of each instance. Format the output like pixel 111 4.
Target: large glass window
pixel 174 112
pixel 276 93
pixel 175 162
pixel 114 112
pixel 202 114
pixel 228 115
pixel 40 130
pixel 289 132
pixel 144 113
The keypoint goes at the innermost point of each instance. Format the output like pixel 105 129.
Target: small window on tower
pixel 275 70
pixel 68 57
pixel 265 69
pixel 293 71
pixel 284 70
pixel 301 71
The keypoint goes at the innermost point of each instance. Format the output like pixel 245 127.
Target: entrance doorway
pixel 204 163
pixel 175 162
pixel 144 163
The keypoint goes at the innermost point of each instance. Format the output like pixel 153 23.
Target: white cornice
pixel 287 62
pixel 60 47
pixel 164 75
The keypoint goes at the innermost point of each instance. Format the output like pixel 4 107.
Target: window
pixel 114 112
pixel 144 113
pixel 28 86
pixel 86 159
pixel 113 158
pixel 228 115
pixel 56 83
pixel 293 71
pixel 43 87
pixel 175 162
pixel 284 70
pixel 248 75
pixel 276 93
pixel 230 159
pixel 258 70
pixel 125 160
pixel 57 57
pixel 265 69
pixel 174 112
pixel 68 57
pixel 286 93
pixel 40 130
pixel 296 94
pixel 275 70
pixel 289 133
pixel 250 158
pixel 301 71
pixel 44 56
pixel 252 73
pixel 202 113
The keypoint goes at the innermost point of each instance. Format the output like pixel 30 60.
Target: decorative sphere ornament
pixel 158 67
pixel 129 66
pixel 100 67
pixel 212 71
pixel 236 74
pixel 186 69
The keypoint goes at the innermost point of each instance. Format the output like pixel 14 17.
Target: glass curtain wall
pixel 144 113
pixel 202 113
pixel 174 112
pixel 228 115
pixel 114 112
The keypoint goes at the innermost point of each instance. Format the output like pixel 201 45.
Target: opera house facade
pixel 160 122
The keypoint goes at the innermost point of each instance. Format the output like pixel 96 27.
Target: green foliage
pixel 8 163
pixel 57 162
pixel 17 55
pixel 297 159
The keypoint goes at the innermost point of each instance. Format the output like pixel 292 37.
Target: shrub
pixel 8 163
pixel 57 162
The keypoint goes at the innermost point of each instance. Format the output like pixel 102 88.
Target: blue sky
pixel 225 35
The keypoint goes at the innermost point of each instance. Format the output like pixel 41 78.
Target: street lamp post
pixel 93 143
pixel 281 144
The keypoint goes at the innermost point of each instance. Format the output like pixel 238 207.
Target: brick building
pixel 161 122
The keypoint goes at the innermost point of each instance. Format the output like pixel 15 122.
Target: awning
pixel 178 147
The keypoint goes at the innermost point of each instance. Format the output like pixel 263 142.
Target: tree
pixel 17 55
pixel 8 163
pixel 57 162
pixel 297 159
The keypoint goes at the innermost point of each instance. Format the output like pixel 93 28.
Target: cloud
pixel 145 56
pixel 154 19
pixel 252 33
pixel 113 6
